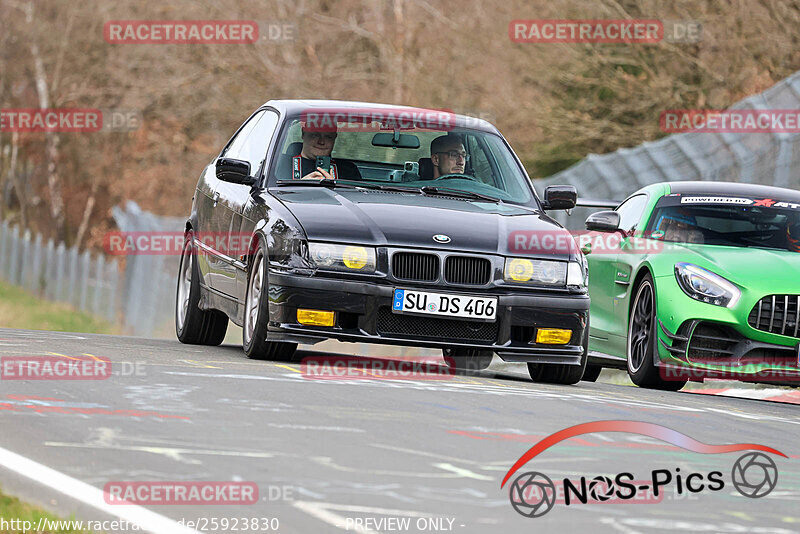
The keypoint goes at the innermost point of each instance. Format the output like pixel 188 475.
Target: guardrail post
pixel 85 264
pixel 4 250
pixel 113 287
pixel 99 283
pixel 12 273
pixel 49 271
pixel 36 267
pixel 59 274
pixel 72 276
pixel 24 259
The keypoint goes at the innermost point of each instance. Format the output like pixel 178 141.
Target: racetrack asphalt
pixel 370 454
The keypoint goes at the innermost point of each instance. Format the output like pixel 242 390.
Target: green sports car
pixel 696 280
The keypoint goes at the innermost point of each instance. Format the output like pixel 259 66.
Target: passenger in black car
pixel 320 144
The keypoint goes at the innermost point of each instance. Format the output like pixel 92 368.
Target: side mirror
pixel 560 197
pixel 235 171
pixel 603 221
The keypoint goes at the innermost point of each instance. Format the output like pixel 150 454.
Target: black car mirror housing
pixel 560 197
pixel 235 171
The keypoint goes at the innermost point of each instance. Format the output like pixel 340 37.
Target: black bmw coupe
pixel 373 223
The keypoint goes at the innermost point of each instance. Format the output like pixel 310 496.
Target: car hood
pixel 411 220
pixel 758 269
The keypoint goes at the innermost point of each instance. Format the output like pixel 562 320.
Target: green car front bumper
pixel 756 339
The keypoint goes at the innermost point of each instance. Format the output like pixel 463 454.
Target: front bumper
pixel 363 314
pixel 708 349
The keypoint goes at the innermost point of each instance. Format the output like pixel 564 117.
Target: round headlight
pixel 520 270
pixel 323 254
pixel 549 272
pixel 355 257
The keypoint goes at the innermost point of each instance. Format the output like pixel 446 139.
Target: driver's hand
pixel 319 174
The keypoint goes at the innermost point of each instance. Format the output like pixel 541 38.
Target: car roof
pixel 734 189
pixel 292 107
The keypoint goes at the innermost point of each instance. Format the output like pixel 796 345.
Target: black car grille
pixel 711 341
pixel 434 327
pixel 467 270
pixel 415 266
pixel 778 314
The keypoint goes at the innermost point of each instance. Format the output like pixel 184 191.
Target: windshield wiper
pixel 348 185
pixel 449 191
pixel 427 190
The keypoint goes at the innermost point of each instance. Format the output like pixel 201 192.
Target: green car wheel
pixel 642 340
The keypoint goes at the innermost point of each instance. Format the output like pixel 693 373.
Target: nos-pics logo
pixel 533 494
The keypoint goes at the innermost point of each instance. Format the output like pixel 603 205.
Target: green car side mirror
pixel 603 221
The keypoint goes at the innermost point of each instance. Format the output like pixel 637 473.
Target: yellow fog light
pixel 553 336
pixel 355 257
pixel 519 270
pixel 315 317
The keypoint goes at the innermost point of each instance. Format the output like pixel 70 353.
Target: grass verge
pixel 14 513
pixel 20 309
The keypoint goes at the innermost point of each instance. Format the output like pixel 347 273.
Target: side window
pixel 234 149
pixel 254 148
pixel 630 212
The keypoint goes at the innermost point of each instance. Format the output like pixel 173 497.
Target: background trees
pixel 555 102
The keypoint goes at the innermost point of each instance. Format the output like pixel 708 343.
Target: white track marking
pixel 85 493
pixel 460 471
pixel 175 453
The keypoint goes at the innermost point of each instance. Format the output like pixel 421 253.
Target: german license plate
pixel 446 305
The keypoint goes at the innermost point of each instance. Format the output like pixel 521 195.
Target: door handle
pixel 216 198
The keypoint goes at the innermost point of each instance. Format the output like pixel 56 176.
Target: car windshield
pixel 463 162
pixel 729 221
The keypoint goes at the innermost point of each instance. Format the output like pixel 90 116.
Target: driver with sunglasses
pixel 448 155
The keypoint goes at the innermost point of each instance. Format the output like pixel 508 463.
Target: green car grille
pixel 777 314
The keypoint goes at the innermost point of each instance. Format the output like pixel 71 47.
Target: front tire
pixel 592 373
pixel 560 373
pixel 642 340
pixel 469 360
pixel 194 326
pixel 256 314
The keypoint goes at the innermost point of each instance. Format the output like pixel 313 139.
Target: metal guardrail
pixel 54 272
pixel 761 158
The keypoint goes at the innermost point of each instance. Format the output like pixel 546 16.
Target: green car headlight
pixel 536 272
pixel 349 258
pixel 705 286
